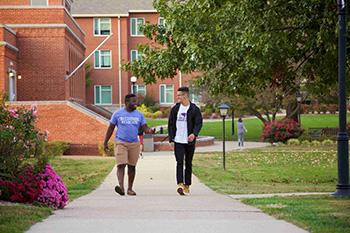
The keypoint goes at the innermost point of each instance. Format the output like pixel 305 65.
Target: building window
pixel 135 25
pixel 139 89
pixel 102 26
pixel 161 21
pixel 166 94
pixel 103 94
pixel 135 54
pixel 39 2
pixel 103 59
pixel 194 95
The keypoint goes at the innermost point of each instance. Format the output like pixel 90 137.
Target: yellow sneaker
pixel 180 189
pixel 187 190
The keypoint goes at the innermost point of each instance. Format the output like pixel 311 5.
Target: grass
pixel 293 169
pixel 314 213
pixel 81 176
pixel 253 125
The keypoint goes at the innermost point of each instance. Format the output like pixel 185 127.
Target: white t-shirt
pixel 181 125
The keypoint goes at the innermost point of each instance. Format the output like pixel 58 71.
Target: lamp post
pixel 233 122
pixel 299 102
pixel 133 80
pixel 223 112
pixel 343 187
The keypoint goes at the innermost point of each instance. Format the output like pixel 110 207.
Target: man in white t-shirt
pixel 184 125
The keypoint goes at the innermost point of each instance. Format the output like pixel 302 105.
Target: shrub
pixel 305 143
pixel 20 140
pixel 54 191
pixel 146 111
pixel 57 148
pixel 25 187
pixel 153 109
pixel 320 138
pixel 293 142
pixel 327 142
pixel 281 130
pixel 332 108
pixel 110 147
pixel 315 143
pixel 148 101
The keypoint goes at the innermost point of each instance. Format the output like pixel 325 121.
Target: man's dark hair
pixel 128 97
pixel 184 89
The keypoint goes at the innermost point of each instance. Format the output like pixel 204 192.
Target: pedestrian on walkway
pixel 240 131
pixel 126 144
pixel 184 125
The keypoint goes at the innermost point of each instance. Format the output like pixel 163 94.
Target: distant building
pixel 41 41
pixel 100 18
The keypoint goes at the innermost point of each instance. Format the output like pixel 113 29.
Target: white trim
pixel 136 26
pixel 142 11
pixel 69 2
pixel 8 28
pixel 8 45
pixel 99 15
pixel 75 22
pixel 103 68
pixel 137 88
pixel 75 36
pixel 120 64
pixel 47 3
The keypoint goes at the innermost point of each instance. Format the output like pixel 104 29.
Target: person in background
pixel 240 131
pixel 126 144
pixel 185 123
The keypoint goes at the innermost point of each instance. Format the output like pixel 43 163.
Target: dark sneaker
pixel 119 190
pixel 180 189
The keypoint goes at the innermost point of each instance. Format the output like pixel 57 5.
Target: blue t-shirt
pixel 128 124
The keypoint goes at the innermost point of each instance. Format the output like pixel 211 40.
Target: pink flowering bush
pixel 54 191
pixel 25 187
pixel 281 130
pixel 20 140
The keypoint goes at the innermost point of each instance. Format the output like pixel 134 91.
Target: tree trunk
pixel 292 113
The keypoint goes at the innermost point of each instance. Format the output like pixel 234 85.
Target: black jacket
pixel 194 121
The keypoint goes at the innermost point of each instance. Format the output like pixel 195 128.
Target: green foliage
pixel 327 142
pixel 147 111
pixel 281 130
pixel 153 109
pixel 306 137
pixel 315 143
pixel 293 142
pixel 57 148
pixel 148 101
pixel 110 147
pixel 20 140
pixel 88 73
pixel 305 143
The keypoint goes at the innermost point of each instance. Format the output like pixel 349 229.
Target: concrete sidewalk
pixel 158 208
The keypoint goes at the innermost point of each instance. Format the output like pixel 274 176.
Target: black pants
pixel 184 151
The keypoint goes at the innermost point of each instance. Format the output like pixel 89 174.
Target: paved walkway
pixel 158 208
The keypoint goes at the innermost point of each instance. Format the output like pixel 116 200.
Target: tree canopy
pixel 243 47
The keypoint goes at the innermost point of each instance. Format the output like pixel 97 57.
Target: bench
pixel 328 132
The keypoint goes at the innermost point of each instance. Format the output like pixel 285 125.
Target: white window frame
pixel 99 26
pixel 99 67
pixel 137 55
pixel 159 21
pixel 160 93
pixel 31 3
pixel 137 89
pixel 137 26
pixel 101 95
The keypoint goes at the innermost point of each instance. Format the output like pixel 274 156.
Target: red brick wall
pixel 31 16
pixel 27 2
pixel 66 123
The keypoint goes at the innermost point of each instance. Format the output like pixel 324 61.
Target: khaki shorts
pixel 126 152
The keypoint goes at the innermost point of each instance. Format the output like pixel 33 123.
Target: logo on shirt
pixel 129 120
pixel 182 116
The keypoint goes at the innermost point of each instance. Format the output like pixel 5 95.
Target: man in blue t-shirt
pixel 126 144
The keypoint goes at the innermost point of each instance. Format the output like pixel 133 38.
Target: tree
pixel 243 47
pixel 88 73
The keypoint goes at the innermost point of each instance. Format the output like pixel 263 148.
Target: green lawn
pixel 253 126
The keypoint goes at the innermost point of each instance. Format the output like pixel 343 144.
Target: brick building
pixel 41 41
pixel 99 19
